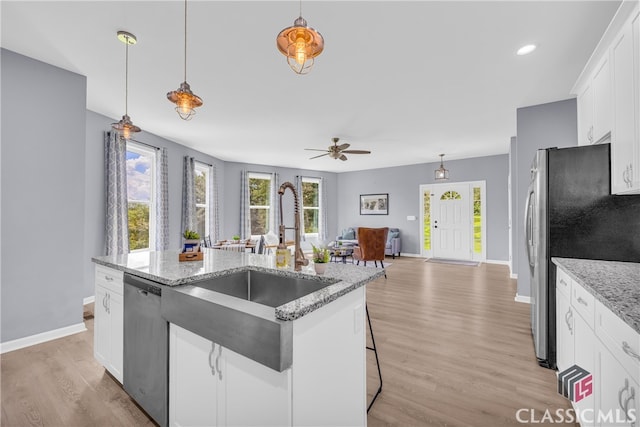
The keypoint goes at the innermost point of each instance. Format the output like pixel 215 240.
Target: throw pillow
pixel 392 235
pixel 349 235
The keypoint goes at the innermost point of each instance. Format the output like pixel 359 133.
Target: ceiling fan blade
pixel 314 149
pixel 343 146
pixel 320 155
pixel 343 157
pixel 357 151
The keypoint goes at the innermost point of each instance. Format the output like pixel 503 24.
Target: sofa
pixel 349 236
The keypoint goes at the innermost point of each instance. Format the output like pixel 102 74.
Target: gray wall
pixel 43 193
pixel 403 185
pixel 538 126
pixel 97 124
pixel 515 243
pixel 231 205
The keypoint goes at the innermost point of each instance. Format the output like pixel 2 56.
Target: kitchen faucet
pixel 300 260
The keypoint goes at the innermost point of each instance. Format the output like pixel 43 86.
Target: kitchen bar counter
pixel 165 269
pixel 615 284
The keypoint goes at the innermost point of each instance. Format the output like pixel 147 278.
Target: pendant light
pixel 441 174
pixel 185 100
pixel 125 126
pixel 300 44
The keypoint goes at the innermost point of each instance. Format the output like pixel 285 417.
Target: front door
pixel 451 226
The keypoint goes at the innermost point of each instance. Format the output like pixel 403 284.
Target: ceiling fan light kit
pixel 336 151
pixel 300 44
pixel 125 126
pixel 186 101
pixel 441 174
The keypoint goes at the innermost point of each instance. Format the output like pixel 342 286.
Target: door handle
pixel 218 361
pixel 213 369
pixel 629 351
pixel 528 225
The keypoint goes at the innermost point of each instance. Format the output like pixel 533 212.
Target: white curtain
pixel 275 202
pixel 322 225
pixel 162 201
pixel 214 205
pixel 188 195
pixel 117 221
pixel 245 215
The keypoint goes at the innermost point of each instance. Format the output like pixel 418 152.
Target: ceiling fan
pixel 336 151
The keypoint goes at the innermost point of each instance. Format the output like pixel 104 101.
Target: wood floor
pixel 455 350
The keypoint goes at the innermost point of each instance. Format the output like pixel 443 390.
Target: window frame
pixel 268 177
pixel 318 207
pixel 206 170
pixel 144 150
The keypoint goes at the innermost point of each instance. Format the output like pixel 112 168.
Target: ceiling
pixel 406 80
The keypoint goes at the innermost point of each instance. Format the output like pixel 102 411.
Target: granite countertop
pixel 165 269
pixel 614 284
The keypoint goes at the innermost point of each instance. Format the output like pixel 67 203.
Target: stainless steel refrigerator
pixel 571 214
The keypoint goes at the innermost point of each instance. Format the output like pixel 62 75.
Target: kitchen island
pixel 233 360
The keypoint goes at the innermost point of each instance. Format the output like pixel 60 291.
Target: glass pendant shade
pixel 300 44
pixel 125 126
pixel 185 100
pixel 441 174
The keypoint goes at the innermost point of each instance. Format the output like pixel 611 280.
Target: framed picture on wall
pixel 374 204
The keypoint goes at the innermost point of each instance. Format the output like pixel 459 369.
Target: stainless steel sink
pixel 263 288
pixel 237 311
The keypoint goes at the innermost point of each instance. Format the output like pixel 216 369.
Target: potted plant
pixel 320 259
pixel 191 241
pixel 236 238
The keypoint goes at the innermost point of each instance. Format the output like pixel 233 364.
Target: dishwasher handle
pixel 144 286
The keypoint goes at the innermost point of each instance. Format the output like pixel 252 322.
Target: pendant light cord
pixel 185 40
pixel 300 8
pixel 126 77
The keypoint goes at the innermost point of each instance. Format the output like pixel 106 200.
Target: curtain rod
pixel 144 143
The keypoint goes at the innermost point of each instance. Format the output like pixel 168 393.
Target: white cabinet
pixel 564 323
pixel 108 335
pixel 584 357
pixel 210 385
pixel 213 386
pixel 619 397
pixel 594 106
pixel 625 176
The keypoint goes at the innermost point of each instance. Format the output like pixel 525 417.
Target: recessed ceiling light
pixel 526 49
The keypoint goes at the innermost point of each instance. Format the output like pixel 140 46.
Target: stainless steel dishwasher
pixel 146 348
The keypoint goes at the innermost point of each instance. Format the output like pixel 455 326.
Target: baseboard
pixel 409 255
pixel 89 300
pixel 513 275
pixel 522 299
pixel 496 261
pixel 8 346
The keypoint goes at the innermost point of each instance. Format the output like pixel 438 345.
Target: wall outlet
pixel 411 218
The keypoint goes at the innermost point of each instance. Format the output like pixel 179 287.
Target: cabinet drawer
pixel 110 278
pixel 583 302
pixel 620 338
pixel 563 282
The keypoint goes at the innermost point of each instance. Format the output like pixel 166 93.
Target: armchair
pixel 371 245
pixel 394 243
pixel 348 236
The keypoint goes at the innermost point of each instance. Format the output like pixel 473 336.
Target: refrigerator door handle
pixel 528 229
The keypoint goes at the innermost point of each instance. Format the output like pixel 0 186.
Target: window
pixel 141 163
pixel 451 195
pixel 201 184
pixel 426 200
pixel 311 205
pixel 259 202
pixel 477 220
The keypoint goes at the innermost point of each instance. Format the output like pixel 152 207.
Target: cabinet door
pixel 116 326
pixel 585 116
pixel 623 134
pixel 564 332
pixel 248 384
pixel 192 380
pixel 584 356
pixel 601 85
pixel 101 327
pixel 618 397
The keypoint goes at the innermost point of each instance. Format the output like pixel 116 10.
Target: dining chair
pixel 261 245
pixel 371 246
